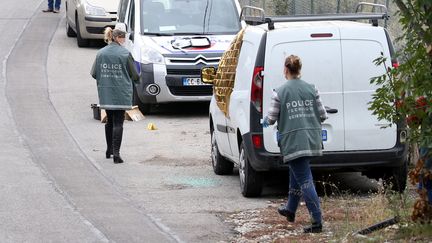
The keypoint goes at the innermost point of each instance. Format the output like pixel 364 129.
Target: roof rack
pixel 260 17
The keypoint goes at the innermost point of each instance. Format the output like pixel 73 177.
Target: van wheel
pixel 221 166
pixel 69 31
pixel 144 108
pixel 81 42
pixel 250 180
pixel 396 178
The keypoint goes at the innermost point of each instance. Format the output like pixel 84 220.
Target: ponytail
pixel 108 35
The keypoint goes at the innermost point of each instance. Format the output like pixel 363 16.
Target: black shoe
pixel 313 228
pixel 47 10
pixel 284 212
pixel 118 160
pixel 108 154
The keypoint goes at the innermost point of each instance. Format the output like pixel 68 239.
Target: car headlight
pixel 150 55
pixel 93 10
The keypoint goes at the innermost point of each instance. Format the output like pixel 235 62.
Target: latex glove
pixel 265 122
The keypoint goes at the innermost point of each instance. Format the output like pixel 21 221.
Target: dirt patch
pixel 343 216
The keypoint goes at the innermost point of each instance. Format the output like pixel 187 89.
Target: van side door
pixel 240 120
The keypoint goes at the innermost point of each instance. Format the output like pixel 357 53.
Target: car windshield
pixel 189 17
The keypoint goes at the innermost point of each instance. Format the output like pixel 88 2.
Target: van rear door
pixel 360 46
pixel 320 52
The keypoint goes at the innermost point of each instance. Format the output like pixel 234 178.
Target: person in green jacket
pixel 114 70
pixel 298 110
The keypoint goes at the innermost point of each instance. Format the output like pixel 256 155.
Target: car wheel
pixel 69 31
pixel 144 108
pixel 396 178
pixel 80 41
pixel 250 180
pixel 221 166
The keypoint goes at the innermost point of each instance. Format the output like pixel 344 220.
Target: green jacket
pixel 114 71
pixel 299 121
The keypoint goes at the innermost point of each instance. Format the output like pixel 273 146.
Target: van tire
pixel 221 166
pixel 396 178
pixel 81 42
pixel 250 180
pixel 69 31
pixel 144 108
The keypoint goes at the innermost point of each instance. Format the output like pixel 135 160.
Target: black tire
pixel 250 180
pixel 144 108
pixel 81 42
pixel 221 166
pixel 69 31
pixel 396 178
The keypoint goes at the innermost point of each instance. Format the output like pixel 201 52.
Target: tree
pixel 405 93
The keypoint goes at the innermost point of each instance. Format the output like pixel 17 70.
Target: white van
pixel 172 40
pixel 337 55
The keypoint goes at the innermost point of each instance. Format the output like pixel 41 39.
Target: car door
pixel 360 47
pixel 319 50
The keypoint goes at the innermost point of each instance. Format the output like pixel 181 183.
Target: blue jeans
pixel 51 4
pixel 301 184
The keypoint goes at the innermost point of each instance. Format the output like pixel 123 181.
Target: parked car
pixel 172 40
pixel 337 55
pixel 87 19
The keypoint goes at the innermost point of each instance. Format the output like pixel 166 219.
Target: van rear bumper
pixel 355 161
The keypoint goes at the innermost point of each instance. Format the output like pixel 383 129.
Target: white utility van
pixel 172 41
pixel 337 53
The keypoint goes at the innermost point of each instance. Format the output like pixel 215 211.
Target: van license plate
pixel 192 82
pixel 324 135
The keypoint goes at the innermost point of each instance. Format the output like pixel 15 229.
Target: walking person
pixel 115 72
pixel 53 6
pixel 297 108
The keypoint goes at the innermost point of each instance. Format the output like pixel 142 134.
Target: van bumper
pixel 346 161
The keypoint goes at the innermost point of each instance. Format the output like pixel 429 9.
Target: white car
pixel 172 40
pixel 87 19
pixel 337 55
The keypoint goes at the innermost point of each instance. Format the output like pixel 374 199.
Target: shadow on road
pixel 276 184
pixel 181 109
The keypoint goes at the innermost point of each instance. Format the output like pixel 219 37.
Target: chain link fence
pixel 301 7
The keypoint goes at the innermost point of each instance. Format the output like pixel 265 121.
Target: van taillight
pixel 395 63
pixel 257 141
pixel 257 88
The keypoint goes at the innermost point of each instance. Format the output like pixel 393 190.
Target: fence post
pixel 312 6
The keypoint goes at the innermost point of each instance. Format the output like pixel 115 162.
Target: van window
pixel 131 21
pixel 122 10
pixel 171 17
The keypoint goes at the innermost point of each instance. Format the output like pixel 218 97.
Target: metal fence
pixel 294 7
pixel 298 7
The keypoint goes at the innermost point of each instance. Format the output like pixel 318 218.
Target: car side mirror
pixel 208 75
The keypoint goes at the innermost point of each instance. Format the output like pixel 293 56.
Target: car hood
pixel 108 5
pixel 218 44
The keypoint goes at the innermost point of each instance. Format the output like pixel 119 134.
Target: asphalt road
pixel 56 185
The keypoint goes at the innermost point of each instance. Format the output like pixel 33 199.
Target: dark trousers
pixel 52 5
pixel 301 185
pixel 114 130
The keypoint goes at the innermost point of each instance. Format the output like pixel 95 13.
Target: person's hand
pixel 265 122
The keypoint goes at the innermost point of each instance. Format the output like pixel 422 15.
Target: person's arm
pixel 93 70
pixel 274 110
pixel 321 109
pixel 132 69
